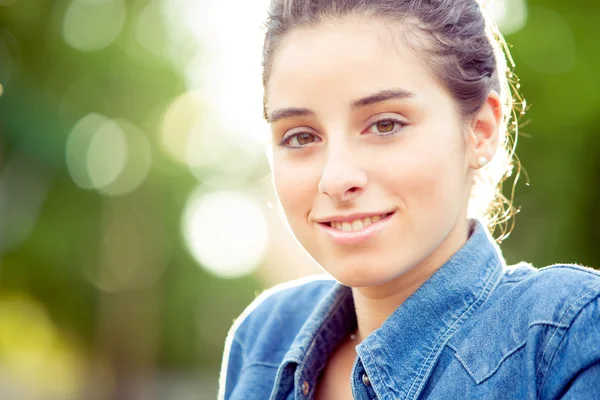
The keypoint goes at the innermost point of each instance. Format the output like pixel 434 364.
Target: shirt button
pixel 305 388
pixel 366 380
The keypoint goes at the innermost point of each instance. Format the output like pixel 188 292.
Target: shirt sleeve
pixel 231 367
pixel 585 385
pixel 574 369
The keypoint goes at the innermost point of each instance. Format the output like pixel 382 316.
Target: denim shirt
pixel 475 329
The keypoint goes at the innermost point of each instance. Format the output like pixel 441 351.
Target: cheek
pixel 430 175
pixel 295 187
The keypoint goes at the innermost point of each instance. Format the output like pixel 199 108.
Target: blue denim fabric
pixel 477 329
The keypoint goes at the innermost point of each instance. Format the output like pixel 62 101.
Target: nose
pixel 342 179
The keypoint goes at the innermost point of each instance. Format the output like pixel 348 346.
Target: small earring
pixel 482 161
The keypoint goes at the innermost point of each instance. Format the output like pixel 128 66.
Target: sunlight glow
pixel 510 15
pixel 228 67
pixel 193 134
pixel 226 232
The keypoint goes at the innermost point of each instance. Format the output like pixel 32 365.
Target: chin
pixel 361 274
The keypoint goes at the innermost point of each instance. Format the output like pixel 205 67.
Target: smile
pixel 356 231
pixel 357 224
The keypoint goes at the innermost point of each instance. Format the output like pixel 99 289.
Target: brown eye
pixel 385 126
pixel 300 140
pixel 305 138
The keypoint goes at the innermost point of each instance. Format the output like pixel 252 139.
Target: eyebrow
pixel 374 98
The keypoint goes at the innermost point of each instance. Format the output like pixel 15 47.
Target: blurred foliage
pixel 55 256
pixel 177 322
pixel 560 145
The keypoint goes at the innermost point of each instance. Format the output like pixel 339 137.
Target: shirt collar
pixel 329 323
pixel 400 355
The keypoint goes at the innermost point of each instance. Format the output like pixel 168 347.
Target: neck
pixel 374 304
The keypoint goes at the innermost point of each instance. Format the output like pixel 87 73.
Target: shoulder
pixel 556 293
pixel 282 309
pixel 536 319
pixel 263 333
pixel 529 319
pixel 566 331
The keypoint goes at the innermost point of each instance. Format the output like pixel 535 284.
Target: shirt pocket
pixel 497 343
pixel 485 356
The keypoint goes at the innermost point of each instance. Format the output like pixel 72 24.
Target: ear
pixel 485 132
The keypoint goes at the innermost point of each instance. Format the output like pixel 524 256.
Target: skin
pixel 344 162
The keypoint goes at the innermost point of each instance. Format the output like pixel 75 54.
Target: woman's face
pixel 368 157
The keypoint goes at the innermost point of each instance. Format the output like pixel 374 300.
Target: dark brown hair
pixel 464 50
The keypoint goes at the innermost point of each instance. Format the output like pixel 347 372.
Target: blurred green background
pixel 135 220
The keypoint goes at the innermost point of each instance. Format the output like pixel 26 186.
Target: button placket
pixel 362 387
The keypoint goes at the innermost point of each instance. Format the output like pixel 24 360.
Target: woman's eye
pixel 299 140
pixel 384 127
pixel 387 127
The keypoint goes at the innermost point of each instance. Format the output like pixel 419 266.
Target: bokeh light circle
pixel 146 33
pixel 180 122
pixel 106 155
pixel 111 156
pixel 78 144
pixel 510 15
pixel 138 161
pixel 193 134
pixel 93 24
pixel 551 45
pixel 226 232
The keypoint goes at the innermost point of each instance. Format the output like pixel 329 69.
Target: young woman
pixel 389 126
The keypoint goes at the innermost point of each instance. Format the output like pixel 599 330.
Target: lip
pixel 349 238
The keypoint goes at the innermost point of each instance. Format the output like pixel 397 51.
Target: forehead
pixel 342 60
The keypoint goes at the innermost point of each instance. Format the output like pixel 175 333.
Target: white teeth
pixel 357 224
